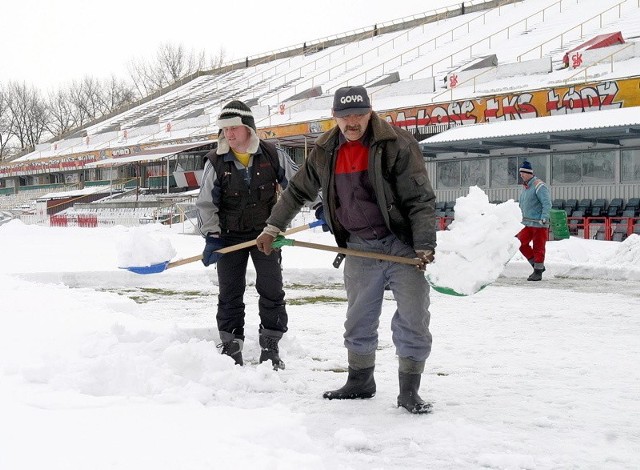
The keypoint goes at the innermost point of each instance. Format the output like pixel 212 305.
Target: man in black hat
pixel 376 197
pixel 238 190
pixel 535 205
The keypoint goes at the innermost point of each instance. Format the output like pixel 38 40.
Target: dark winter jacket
pixel 237 199
pixel 398 177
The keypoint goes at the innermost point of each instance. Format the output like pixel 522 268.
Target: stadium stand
pixel 495 51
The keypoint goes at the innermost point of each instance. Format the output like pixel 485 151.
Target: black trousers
pixel 232 270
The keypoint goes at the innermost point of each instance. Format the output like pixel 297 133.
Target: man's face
pixel 353 126
pixel 238 137
pixel 525 176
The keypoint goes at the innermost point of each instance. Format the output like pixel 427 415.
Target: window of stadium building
pixel 584 167
pixel 473 173
pixel 504 171
pixel 462 173
pixel 190 162
pixel 448 174
pixel 630 170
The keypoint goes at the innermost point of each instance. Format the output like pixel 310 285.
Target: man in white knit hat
pixel 238 190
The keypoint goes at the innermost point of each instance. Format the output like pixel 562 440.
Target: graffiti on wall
pixel 298 129
pixel 504 107
pixel 525 105
pixel 48 165
pixel 530 104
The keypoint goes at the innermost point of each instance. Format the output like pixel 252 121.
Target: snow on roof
pixel 75 192
pixel 542 125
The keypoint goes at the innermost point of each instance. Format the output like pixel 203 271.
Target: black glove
pixel 320 216
pixel 209 255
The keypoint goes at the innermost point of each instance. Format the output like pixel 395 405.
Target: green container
pixel 558 222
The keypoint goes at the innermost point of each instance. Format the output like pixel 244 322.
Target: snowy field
pixel 101 368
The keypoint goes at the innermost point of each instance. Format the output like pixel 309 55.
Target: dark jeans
pixel 232 270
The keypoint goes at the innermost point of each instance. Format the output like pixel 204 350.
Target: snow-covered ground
pixel 101 368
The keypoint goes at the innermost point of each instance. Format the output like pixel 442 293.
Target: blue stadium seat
pixel 585 206
pixel 576 222
pixel 634 205
pixel 599 208
pixel 619 233
pixel 615 208
pixel 571 204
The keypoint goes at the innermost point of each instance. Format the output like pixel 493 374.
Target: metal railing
pixel 561 37
pixel 469 49
pixel 598 62
pixel 450 90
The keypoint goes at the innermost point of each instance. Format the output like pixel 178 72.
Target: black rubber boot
pixel 269 348
pixel 409 398
pixel 538 269
pixel 360 384
pixel 536 275
pixel 232 347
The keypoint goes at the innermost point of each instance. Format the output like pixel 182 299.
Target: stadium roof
pixel 148 155
pixel 603 127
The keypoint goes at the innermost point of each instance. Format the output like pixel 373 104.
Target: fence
pixel 604 228
pixel 595 228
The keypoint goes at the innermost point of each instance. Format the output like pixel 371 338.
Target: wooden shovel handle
pixel 361 254
pixel 239 246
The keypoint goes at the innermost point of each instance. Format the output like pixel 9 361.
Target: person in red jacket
pixel 376 197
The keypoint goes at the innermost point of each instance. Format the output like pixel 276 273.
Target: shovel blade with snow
pixel 164 265
pixel 449 290
pixel 280 241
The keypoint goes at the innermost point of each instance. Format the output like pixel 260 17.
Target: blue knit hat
pixel 526 167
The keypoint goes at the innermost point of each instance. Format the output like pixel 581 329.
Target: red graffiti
pixel 576 60
pixel 586 99
pixel 513 108
pixel 458 113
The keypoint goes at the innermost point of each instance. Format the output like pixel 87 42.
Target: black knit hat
pixel 236 113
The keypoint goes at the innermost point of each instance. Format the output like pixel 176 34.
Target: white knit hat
pixel 236 113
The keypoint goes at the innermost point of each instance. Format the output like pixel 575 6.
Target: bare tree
pixel 6 122
pixel 171 63
pixel 25 116
pixel 86 100
pixel 29 112
pixel 83 101
pixel 61 118
pixel 115 94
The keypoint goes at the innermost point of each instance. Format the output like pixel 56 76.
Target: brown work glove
pixel 425 257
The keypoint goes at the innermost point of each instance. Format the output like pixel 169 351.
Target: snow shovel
pixel 280 241
pixel 164 265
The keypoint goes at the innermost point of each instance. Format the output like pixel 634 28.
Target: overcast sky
pixel 51 43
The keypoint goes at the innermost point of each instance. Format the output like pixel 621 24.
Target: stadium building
pixel 482 86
